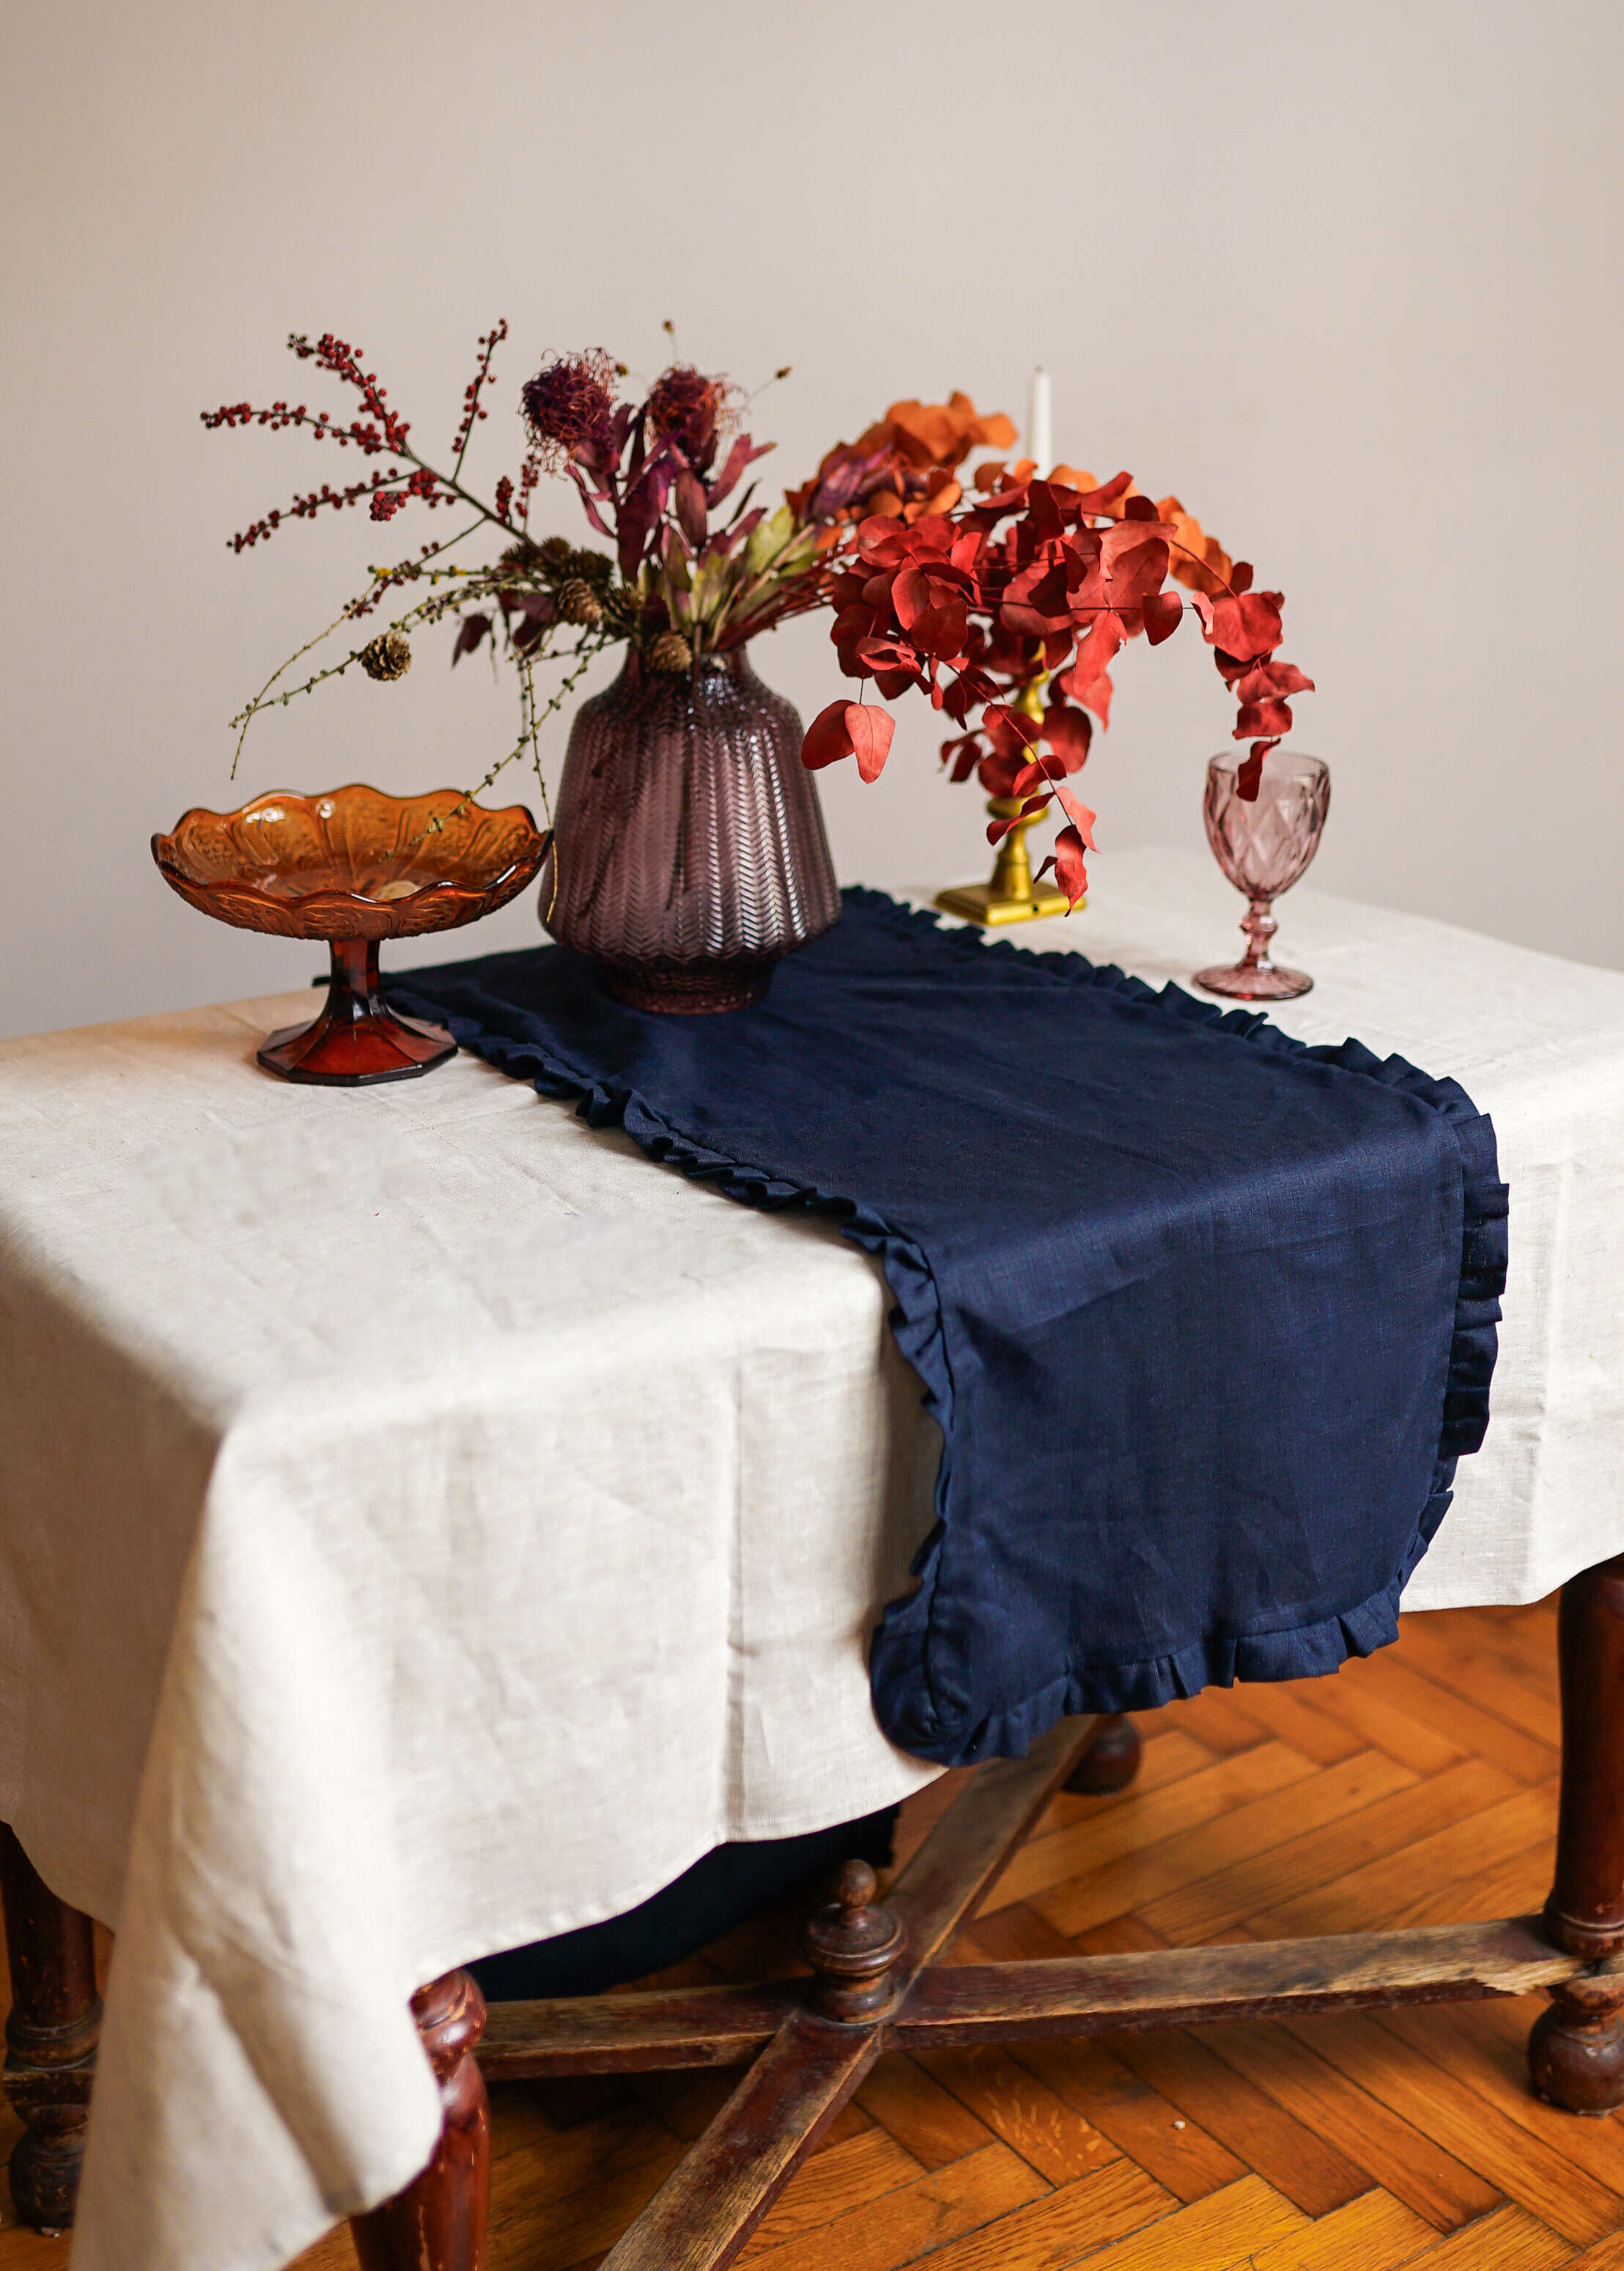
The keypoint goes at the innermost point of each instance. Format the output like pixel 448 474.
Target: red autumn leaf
pixel 1043 512
pixel 998 829
pixel 1249 772
pixel 1078 813
pixel 931 611
pixel 1088 680
pixel 965 764
pixel 1011 733
pixel 912 592
pixel 889 659
pixel 1131 568
pixel 1263 679
pixel 1245 627
pixel 869 729
pixel 998 773
pixel 1070 872
pixel 880 540
pixel 1102 499
pixel 1066 859
pixel 1036 602
pixel 1240 575
pixel 1164 611
pixel 828 738
pixel 1270 717
pixel 1135 564
pixel 1069 733
pixel 966 550
pixel 942 630
pixel 469 638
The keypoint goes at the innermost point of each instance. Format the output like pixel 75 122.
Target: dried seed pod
pixel 671 653
pixel 388 656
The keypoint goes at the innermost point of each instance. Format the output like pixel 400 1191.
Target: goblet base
pixel 1264 981
pixel 357 1040
pixel 381 1046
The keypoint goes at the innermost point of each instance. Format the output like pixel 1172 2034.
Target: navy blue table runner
pixel 1207 1316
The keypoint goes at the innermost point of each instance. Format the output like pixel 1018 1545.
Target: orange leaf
pixel 869 729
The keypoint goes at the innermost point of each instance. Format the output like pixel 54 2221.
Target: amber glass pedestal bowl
pixel 352 866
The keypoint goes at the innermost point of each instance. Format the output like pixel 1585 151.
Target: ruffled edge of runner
pixel 907 1699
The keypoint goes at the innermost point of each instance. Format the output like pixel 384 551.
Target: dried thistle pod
pixel 388 656
pixel 671 653
pixel 578 603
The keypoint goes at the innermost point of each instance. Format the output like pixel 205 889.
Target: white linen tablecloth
pixel 427 1525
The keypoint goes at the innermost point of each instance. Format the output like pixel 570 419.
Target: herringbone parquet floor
pixel 1419 1787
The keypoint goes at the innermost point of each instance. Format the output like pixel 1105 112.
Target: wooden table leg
pixel 1577 2050
pixel 437 2222
pixel 50 2038
pixel 1111 1760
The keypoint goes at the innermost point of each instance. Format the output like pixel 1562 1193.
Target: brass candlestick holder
pixel 1010 895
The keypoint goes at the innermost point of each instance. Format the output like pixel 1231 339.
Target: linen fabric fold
pixel 1205 1316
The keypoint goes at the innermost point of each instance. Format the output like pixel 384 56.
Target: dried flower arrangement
pixel 1005 603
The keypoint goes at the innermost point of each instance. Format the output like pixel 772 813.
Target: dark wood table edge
pixel 875 1985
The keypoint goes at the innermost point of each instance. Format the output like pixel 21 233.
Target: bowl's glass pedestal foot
pixel 357 1038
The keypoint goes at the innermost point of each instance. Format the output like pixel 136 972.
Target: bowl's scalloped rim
pixel 456 899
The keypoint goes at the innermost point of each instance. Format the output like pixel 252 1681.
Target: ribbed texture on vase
pixel 690 852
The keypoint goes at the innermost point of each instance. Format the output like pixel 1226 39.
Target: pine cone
pixel 671 652
pixel 594 568
pixel 555 552
pixel 578 603
pixel 388 656
pixel 621 608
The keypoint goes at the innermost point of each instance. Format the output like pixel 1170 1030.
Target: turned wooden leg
pixel 1111 1760
pixel 853 1948
pixel 437 2222
pixel 50 2039
pixel 1575 2053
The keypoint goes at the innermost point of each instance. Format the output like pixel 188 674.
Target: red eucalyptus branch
pixel 1005 604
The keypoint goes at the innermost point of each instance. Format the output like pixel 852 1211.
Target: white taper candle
pixel 1040 422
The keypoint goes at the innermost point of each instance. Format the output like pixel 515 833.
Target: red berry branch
pixel 471 411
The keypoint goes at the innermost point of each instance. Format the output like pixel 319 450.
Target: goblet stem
pixel 1256 977
pixel 1260 926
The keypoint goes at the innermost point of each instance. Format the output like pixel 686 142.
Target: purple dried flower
pixel 689 409
pixel 569 402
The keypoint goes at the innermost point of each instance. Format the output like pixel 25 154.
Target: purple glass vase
pixel 690 852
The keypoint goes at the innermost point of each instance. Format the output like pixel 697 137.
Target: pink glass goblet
pixel 1263 847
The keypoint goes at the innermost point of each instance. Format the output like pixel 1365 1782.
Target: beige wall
pixel 1346 278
